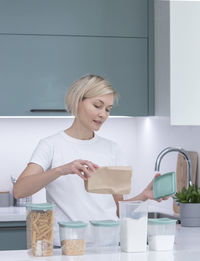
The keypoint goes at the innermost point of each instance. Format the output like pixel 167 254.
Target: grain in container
pixel 161 234
pixel 133 226
pixel 72 237
pixel 39 223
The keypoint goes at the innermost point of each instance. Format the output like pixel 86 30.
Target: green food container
pixel 106 235
pixel 164 185
pixel 161 234
pixel 72 237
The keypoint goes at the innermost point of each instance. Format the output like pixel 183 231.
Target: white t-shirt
pixel 72 202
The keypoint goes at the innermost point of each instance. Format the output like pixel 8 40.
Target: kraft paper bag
pixel 110 180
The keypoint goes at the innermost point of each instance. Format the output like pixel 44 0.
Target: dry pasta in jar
pixel 39 222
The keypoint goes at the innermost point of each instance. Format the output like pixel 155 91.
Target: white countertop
pixel 187 247
pixel 12 214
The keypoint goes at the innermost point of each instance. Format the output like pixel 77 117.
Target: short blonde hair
pixel 88 86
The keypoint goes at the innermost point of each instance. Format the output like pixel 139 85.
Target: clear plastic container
pixel 161 234
pixel 106 235
pixel 39 222
pixel 133 226
pixel 72 237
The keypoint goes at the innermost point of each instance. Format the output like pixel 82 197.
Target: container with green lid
pixel 73 224
pixel 164 185
pixel 161 233
pixel 161 221
pixel 41 206
pixel 105 235
pixel 39 223
pixel 105 223
pixel 72 237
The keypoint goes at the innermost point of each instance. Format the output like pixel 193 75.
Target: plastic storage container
pixel 164 185
pixel 39 223
pixel 72 237
pixel 106 235
pixel 133 227
pixel 161 233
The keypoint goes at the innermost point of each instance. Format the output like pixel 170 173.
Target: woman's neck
pixel 78 131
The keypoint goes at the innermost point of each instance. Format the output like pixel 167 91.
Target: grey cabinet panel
pixel 151 54
pixel 75 17
pixel 13 235
pixel 36 71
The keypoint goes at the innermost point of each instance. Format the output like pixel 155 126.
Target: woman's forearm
pixel 139 197
pixel 31 184
pixel 33 178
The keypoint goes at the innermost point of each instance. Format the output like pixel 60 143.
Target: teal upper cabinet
pixel 46 45
pixel 36 71
pixel 74 17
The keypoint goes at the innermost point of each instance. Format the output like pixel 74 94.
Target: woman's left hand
pixel 148 191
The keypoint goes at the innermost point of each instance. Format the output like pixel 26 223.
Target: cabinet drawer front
pixel 13 235
pixel 13 239
pixel 75 17
pixel 36 71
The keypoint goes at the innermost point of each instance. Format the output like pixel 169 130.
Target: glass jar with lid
pixel 161 233
pixel 39 222
pixel 106 235
pixel 72 237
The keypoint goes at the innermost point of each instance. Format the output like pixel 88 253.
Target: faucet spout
pixel 183 152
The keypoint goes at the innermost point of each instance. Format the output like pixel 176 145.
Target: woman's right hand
pixel 148 192
pixel 80 167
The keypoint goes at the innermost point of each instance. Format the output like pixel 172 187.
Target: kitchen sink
pixel 164 215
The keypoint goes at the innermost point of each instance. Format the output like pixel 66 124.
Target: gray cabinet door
pixel 74 17
pixel 35 71
pixel 13 235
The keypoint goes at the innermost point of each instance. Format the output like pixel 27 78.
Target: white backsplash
pixel 141 139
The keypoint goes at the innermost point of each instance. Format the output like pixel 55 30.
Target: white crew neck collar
pixel 69 138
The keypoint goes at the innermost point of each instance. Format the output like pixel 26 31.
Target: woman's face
pixel 92 112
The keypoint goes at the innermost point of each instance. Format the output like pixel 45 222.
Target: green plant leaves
pixel 190 195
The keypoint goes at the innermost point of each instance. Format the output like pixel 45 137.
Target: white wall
pixel 184 62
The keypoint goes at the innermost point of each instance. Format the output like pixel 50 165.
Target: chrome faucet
pixel 184 153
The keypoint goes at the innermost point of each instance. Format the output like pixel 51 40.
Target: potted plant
pixel 189 201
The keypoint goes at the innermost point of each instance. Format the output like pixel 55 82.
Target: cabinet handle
pixel 48 110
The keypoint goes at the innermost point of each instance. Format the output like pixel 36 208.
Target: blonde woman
pixel 59 161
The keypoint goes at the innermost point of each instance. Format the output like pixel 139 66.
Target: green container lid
pixel 164 185
pixel 40 206
pixel 105 223
pixel 73 224
pixel 161 221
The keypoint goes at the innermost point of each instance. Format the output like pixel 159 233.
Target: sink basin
pixel 164 215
